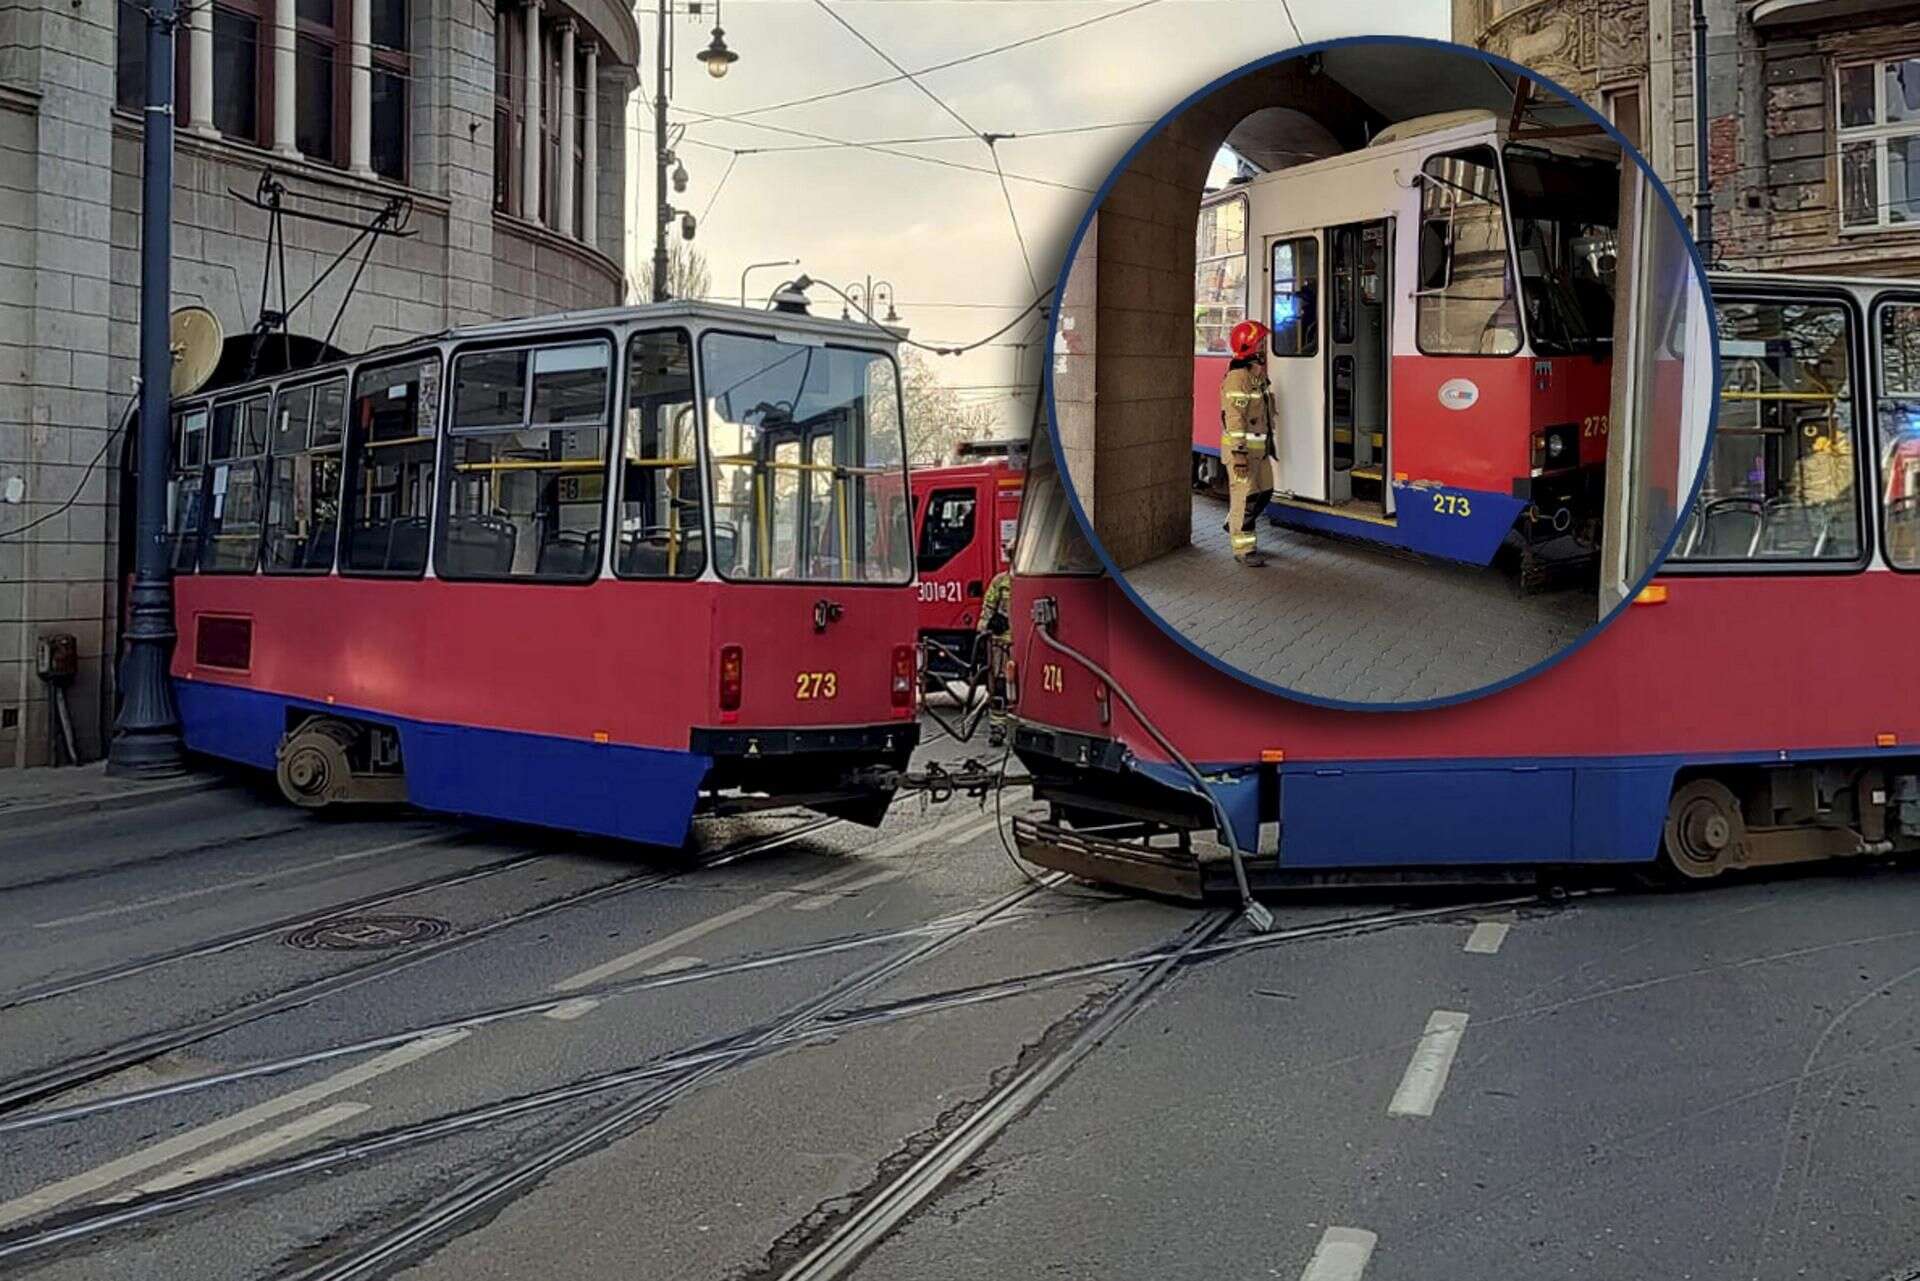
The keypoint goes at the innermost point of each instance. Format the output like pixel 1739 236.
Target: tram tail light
pixel 732 671
pixel 1012 673
pixel 903 673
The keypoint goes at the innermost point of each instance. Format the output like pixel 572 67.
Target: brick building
pixel 1813 113
pixel 503 126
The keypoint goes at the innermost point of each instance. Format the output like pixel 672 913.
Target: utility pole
pixel 146 735
pixel 662 214
pixel 1702 163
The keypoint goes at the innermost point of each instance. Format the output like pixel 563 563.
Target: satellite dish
pixel 196 339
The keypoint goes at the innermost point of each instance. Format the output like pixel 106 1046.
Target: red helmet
pixel 1246 338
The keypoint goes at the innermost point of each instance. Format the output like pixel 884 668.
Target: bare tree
pixel 687 274
pixel 937 418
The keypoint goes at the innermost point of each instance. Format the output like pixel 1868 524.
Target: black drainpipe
pixel 1703 181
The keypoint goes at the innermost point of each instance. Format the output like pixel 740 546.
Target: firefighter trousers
pixel 1249 487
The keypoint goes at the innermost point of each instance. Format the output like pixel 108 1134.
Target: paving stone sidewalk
pixel 44 793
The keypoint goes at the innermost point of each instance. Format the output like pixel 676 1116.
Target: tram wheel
pixel 1704 833
pixel 312 767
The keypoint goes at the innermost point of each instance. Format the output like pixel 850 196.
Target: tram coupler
pixel 970 778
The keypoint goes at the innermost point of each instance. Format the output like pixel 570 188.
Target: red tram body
pixel 1746 708
pixel 1425 400
pixel 630 565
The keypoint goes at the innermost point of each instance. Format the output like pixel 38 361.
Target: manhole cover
pixel 358 933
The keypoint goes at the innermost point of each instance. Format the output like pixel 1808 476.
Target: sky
pixel 938 227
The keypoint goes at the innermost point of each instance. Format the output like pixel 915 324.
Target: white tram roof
pixel 1763 279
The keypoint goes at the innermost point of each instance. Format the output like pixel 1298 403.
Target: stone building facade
pixel 1813 113
pixel 504 127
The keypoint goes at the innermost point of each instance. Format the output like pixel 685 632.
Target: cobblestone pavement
pixel 1334 619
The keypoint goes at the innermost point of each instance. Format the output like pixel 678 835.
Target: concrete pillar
pixel 569 123
pixel 360 108
pixel 284 71
pixel 200 71
pixel 590 158
pixel 530 135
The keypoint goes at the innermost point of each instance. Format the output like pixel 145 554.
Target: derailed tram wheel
pixel 312 767
pixel 1705 833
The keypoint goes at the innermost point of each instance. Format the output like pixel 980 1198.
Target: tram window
pixel 1898 420
pixel 1296 297
pixel 303 503
pixel 1219 275
pixel 1050 541
pixel 526 464
pixel 389 486
pixel 1465 303
pixel 659 525
pixel 949 527
pixel 1565 214
pixel 798 437
pixel 186 488
pixel 235 503
pixel 1780 485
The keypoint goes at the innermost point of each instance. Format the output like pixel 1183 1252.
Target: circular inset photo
pixel 1382 372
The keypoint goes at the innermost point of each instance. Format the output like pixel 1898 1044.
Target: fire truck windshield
pixel 1566 215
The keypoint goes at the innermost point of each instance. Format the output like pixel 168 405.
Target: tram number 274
pixel 815 685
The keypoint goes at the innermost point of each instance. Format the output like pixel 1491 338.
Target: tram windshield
pixel 807 450
pixel 1566 218
pixel 1050 540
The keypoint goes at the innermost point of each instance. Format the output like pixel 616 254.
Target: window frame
pixel 236 396
pixel 1311 238
pixel 509 99
pixel 1881 301
pixel 1524 348
pixel 899 392
pixel 345 376
pixel 353 459
pixel 177 413
pixel 1879 133
pixel 617 453
pixel 971 491
pixel 1786 295
pixel 397 63
pixel 443 497
pixel 1246 260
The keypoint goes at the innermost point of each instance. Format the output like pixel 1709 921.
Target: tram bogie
pixel 600 571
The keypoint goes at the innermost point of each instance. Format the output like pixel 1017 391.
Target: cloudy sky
pixel 931 217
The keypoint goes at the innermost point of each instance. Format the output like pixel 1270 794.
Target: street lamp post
pixel 752 267
pixel 717 59
pixel 146 734
pixel 868 296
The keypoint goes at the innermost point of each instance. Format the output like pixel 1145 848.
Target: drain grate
pixel 363 933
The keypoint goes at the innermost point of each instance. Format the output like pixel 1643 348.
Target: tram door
pixel 1296 362
pixel 1359 265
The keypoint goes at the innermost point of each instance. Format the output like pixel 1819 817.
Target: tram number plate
pixel 1596 425
pixel 1452 505
pixel 1052 679
pixel 816 685
pixel 948 591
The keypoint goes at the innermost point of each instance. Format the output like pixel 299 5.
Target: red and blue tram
pixel 599 571
pixel 1752 706
pixel 1441 313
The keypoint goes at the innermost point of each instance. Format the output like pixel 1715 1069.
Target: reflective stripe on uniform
pixel 1241 542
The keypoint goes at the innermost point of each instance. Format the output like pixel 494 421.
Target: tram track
pixel 663 1081
pixel 29 1088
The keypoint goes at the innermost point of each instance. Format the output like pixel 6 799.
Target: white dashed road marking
pixel 568 1011
pixel 819 901
pixel 258 1146
pixel 1487 937
pixel 1341 1255
pixel 1426 1075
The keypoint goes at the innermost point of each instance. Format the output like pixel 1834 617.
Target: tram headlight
pixel 1553 447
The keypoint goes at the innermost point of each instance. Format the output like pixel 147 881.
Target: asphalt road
pixel 239 1041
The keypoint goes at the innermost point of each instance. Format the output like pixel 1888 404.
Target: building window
pixel 238 83
pixel 389 487
pixel 1464 303
pixel 234 507
pixel 320 57
pixel 303 504
pixel 509 106
pixel 1295 319
pixel 1878 105
pixel 392 71
pixel 1780 484
pixel 526 463
pixel 1219 275
pixel 130 57
pixel 660 534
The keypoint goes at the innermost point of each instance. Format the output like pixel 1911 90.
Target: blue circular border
pixel 1600 624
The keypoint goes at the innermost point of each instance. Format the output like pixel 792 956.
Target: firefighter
pixel 1246 438
pixel 995 628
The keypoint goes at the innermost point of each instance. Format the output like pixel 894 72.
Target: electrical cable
pixel 950 350
pixel 125 418
pixel 884 57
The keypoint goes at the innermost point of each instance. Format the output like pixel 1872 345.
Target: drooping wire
pixel 126 416
pixel 912 79
pixel 935 348
pixel 1007 195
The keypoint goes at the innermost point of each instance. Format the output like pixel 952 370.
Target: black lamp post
pixel 868 296
pixel 146 734
pixel 718 59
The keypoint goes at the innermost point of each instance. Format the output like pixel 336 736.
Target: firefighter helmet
pixel 1246 338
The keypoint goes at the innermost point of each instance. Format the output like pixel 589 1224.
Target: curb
pixel 132 798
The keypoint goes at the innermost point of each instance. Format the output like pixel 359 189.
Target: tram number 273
pixel 816 685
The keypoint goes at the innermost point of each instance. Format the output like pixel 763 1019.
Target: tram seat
pixel 1903 531
pixel 570 554
pixel 480 547
pixel 407 543
pixel 1731 528
pixel 1790 530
